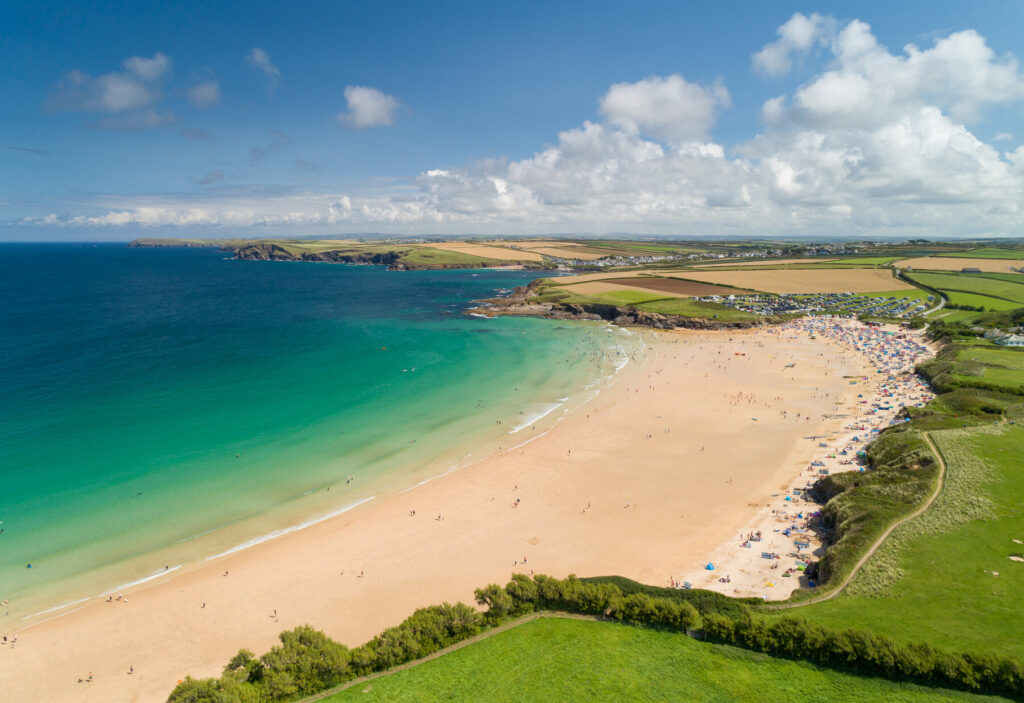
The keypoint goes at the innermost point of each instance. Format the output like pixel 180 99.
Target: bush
pixel 867 653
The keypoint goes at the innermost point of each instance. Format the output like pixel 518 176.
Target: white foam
pixel 152 576
pixel 56 608
pixel 532 419
pixel 288 530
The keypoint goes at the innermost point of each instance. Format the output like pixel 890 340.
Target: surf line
pixel 288 530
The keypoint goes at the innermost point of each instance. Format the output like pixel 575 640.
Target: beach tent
pixel 710 566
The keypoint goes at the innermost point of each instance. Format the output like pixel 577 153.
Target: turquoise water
pixel 158 406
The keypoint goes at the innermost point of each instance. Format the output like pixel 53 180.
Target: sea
pixel 163 407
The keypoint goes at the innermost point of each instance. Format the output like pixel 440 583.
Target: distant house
pixel 970 269
pixel 1011 340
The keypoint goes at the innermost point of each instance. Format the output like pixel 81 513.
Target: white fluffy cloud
pixel 796 36
pixel 668 107
pixel 136 86
pixel 260 60
pixel 205 94
pixel 876 142
pixel 367 107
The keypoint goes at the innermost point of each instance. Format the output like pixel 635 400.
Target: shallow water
pixel 163 405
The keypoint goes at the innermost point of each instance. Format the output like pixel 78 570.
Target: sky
pixel 697 119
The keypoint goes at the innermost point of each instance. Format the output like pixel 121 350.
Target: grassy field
pixel 974 283
pixel 692 308
pixel 937 583
pixel 982 301
pixel 867 260
pixel 992 363
pixel 571 660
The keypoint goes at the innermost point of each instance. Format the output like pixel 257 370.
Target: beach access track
pixel 832 593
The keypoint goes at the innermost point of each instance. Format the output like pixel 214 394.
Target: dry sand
pixel 644 480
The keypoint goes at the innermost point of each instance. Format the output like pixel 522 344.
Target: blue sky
pixel 215 119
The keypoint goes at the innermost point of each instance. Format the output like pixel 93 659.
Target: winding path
pixel 878 543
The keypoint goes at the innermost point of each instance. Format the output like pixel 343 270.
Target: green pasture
pixel 1004 366
pixel 935 579
pixel 980 284
pixel 555 659
pixel 984 301
pixel 687 307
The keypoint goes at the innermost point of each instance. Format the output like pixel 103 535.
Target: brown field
pixel 487 252
pixel 601 287
pixel 676 287
pixel 805 280
pixel 944 264
pixel 534 243
pixel 585 277
pixel 770 262
pixel 566 252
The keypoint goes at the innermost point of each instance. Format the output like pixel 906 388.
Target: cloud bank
pixel 872 142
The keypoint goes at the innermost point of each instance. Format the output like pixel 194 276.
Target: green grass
pixel 986 253
pixel 628 297
pixel 980 284
pixel 984 301
pixel 571 660
pixel 425 256
pixel 945 593
pixel 688 307
pixel 1004 366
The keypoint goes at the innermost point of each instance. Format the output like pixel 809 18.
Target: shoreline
pixel 561 507
pixel 312 507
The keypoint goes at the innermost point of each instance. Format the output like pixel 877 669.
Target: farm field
pixel 867 260
pixel 612 292
pixel 972 283
pixel 983 301
pixel 555 659
pixel 567 252
pixel 947 578
pixel 811 280
pixel 986 253
pixel 943 263
pixel 679 287
pixel 688 307
pixel 767 262
pixel 485 251
pixel 1004 366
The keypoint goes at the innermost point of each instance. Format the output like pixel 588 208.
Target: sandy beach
pixel 646 480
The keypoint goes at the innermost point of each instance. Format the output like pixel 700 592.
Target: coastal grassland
pixel 1002 287
pixel 976 364
pixel 558 659
pixel 429 256
pixel 1000 365
pixel 647 301
pixel 483 251
pixel 937 582
pixel 687 307
pixel 986 253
